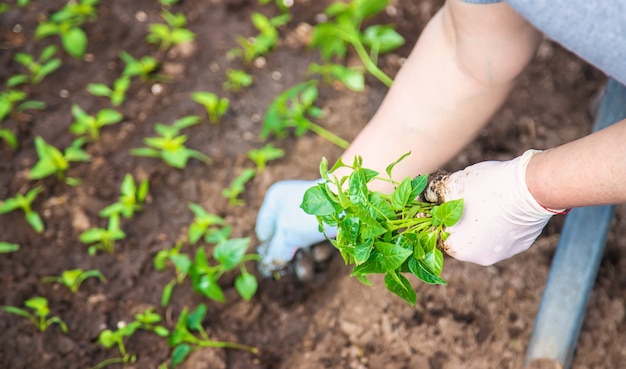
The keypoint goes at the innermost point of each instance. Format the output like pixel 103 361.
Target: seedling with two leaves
pixel 238 186
pixel 170 147
pixel 253 47
pixel 116 93
pixel 144 68
pixel 24 202
pixel 73 278
pixel 215 106
pixel 292 109
pixel 352 78
pixel 38 69
pixel 131 199
pixel 237 80
pixel 86 124
pixel 171 33
pixel 67 23
pixel 262 156
pixel 103 238
pixel 388 234
pixel 14 101
pixel 53 161
pixel 39 315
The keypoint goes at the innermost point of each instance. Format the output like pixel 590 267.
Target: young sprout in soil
pixel 172 33
pixel 215 106
pixel 183 340
pixel 6 247
pixel 352 78
pixel 73 278
pixel 238 186
pixel 261 156
pixel 143 68
pixel 38 69
pixel 109 338
pixel 253 47
pixel 131 198
pixel 170 147
pixel 103 239
pixel 291 109
pixel 52 161
pixel 9 137
pixel 237 80
pixel 182 265
pixel 66 23
pixel 207 226
pixel 14 101
pixel 343 28
pixel 390 234
pixel 117 94
pixel 91 125
pixel 39 316
pixel 24 203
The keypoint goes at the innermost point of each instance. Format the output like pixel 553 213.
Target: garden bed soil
pixel 482 319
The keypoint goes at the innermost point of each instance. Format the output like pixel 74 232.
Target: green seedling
pixel 344 28
pixel 9 137
pixel 109 338
pixel 24 202
pixel 389 234
pixel 15 101
pixel 171 33
pixel 261 156
pixel 352 78
pixel 38 69
pixel 215 106
pixel 148 320
pixel 237 80
pixel 91 125
pixel 253 47
pixel 52 161
pixel 170 147
pixel 131 198
pixel 39 316
pixel 73 278
pixel 238 186
pixel 144 68
pixel 117 93
pixel 229 254
pixel 67 23
pixel 103 239
pixel 6 247
pixel 182 265
pixel 183 339
pixel 207 226
pixel 292 109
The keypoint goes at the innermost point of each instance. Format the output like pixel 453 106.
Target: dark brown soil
pixel 482 319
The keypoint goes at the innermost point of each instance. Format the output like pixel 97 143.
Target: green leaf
pixel 433 261
pixel 180 353
pixel 424 274
pixel 401 195
pixel 246 285
pixel 382 38
pixel 418 184
pixel 392 255
pixel 230 252
pixel 316 202
pixel 74 42
pixel 392 165
pixel 99 89
pixel 194 320
pixel 400 285
pixel 166 295
pixel 208 286
pixel 447 213
pixel 35 221
pixel 6 247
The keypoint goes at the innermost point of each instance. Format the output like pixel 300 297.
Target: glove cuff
pixel 535 206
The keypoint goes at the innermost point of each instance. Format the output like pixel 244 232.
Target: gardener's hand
pixel 283 227
pixel 500 217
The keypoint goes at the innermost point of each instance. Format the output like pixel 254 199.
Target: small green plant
pixel 144 68
pixel 344 28
pixel 352 78
pixel 253 47
pixel 91 125
pixel 171 33
pixel 24 203
pixel 6 247
pixel 170 146
pixel 67 23
pixel 238 186
pixel 38 69
pixel 73 278
pixel 237 80
pixel 117 93
pixel 182 265
pixel 215 106
pixel 14 101
pixel 39 316
pixel 390 234
pixel 103 239
pixel 9 137
pixel 183 339
pixel 131 198
pixel 262 156
pixel 52 161
pixel 207 226
pixel 292 109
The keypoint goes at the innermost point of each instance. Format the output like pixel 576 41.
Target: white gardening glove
pixel 283 227
pixel 500 216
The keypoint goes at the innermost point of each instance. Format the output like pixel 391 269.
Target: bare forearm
pixel 457 76
pixel 588 171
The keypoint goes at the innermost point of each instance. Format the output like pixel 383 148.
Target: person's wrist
pixel 534 177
